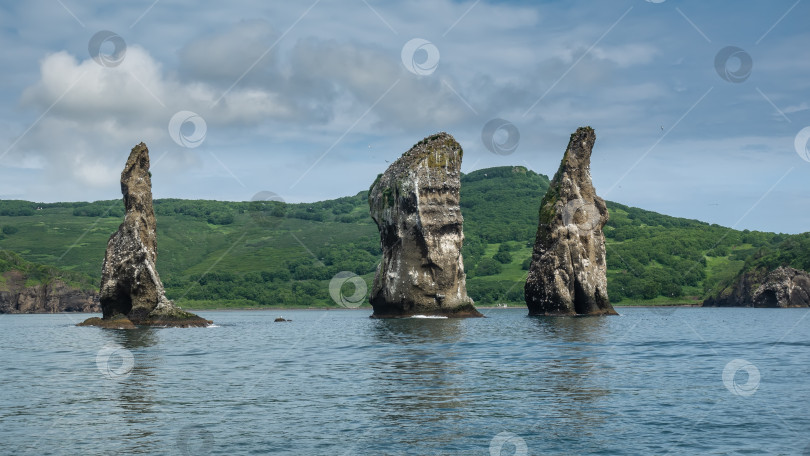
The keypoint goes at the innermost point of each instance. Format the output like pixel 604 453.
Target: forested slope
pixel 221 254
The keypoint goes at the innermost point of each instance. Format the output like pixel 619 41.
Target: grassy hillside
pixel 229 254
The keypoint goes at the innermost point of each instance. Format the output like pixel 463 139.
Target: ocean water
pixel 650 381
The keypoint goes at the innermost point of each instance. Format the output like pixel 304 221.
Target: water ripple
pixel 341 383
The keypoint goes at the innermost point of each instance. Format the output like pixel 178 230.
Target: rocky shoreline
pixel 781 287
pixel 55 297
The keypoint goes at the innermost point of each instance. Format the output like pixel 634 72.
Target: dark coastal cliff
pixel 781 287
pixel 53 297
pixel 27 287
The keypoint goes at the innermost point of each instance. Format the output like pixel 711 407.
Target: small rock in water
pixel 116 322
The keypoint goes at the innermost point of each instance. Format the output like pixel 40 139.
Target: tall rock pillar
pixel 415 204
pixel 131 288
pixel 567 275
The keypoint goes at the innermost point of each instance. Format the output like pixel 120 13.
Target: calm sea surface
pixel 651 381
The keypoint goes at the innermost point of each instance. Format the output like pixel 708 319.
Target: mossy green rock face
pixel 415 204
pixel 130 285
pixel 568 272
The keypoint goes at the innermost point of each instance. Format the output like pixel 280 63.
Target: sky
pixel 701 109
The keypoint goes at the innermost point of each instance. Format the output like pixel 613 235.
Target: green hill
pixel 250 254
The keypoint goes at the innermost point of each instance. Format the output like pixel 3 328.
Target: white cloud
pixel 95 113
pixel 803 106
pixel 626 55
pixel 89 91
pixel 138 93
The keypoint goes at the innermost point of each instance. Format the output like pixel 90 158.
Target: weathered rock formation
pixel 53 297
pixel 130 285
pixel 781 287
pixel 415 204
pixel 35 288
pixel 567 275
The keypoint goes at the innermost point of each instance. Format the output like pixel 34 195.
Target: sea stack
pixel 567 275
pixel 415 204
pixel 131 290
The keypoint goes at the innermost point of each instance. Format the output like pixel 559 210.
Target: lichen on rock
pixel 568 272
pixel 130 284
pixel 415 204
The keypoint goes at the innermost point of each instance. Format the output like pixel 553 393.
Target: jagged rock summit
pixel 131 290
pixel 567 275
pixel 781 287
pixel 415 204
